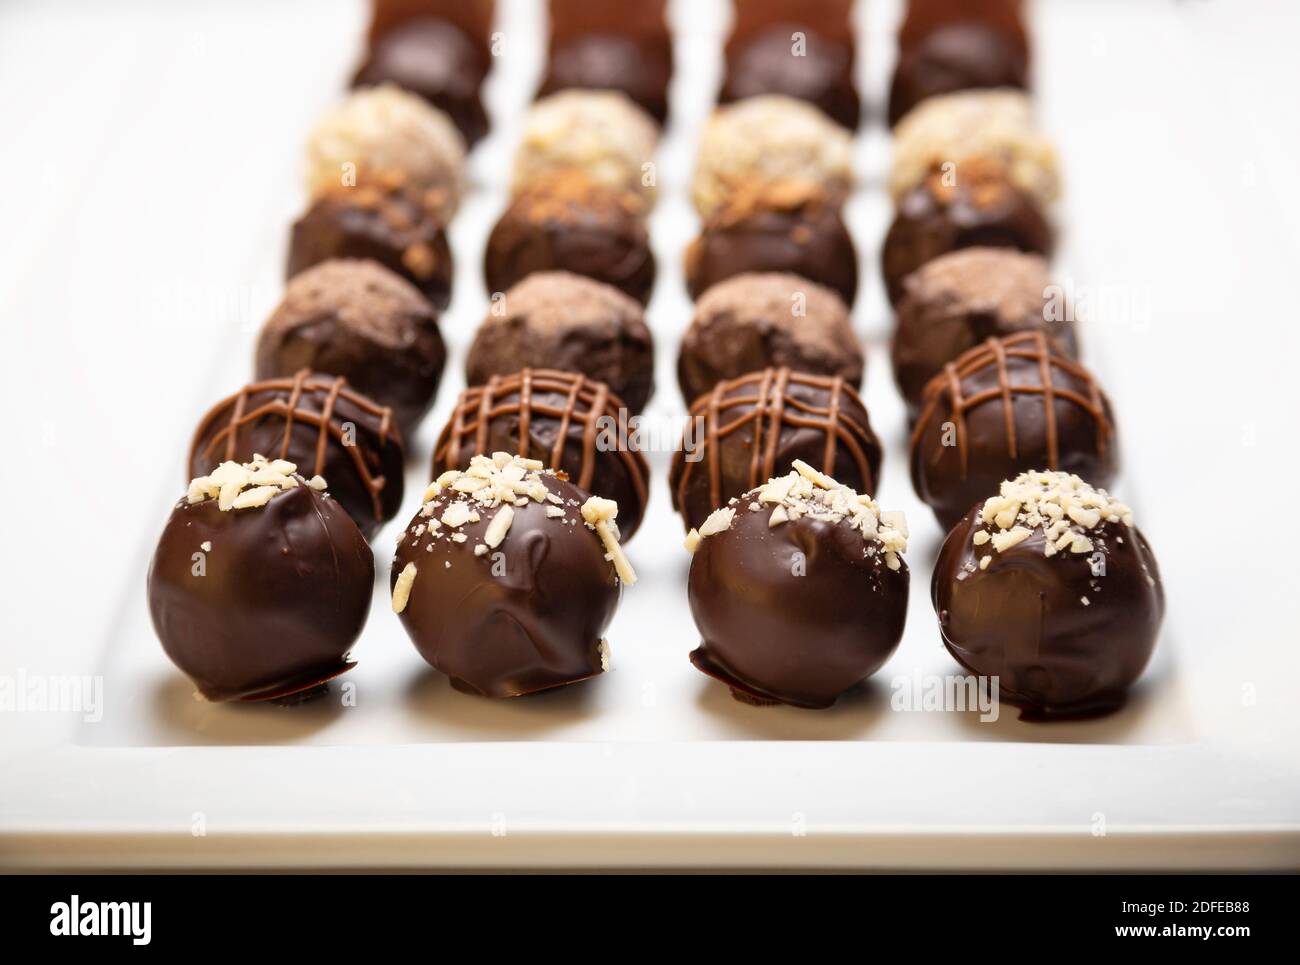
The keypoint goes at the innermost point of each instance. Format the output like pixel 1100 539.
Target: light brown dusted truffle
pixel 770 138
pixel 758 320
pixel 559 320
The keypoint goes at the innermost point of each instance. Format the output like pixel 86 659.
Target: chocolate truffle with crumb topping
pixel 559 320
pixel 756 320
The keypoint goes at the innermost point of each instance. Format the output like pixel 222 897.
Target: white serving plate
pixel 146 247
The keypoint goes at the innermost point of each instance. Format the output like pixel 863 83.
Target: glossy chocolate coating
pixel 750 322
pixel 1003 408
pixel 775 229
pixel 278 603
pixel 566 222
pixel 639 67
pixel 528 616
pixel 953 57
pixel 475 18
pixel 924 17
pixel 774 636
pixel 816 70
pixel 359 320
pixel 322 426
pixel 753 428
pixel 981 209
pixel 570 19
pixel 831 19
pixel 1023 618
pixel 958 300
pixel 566 420
pixel 559 320
pixel 436 59
pixel 388 227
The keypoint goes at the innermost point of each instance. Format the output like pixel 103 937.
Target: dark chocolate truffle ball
pixel 558 320
pixel 797 62
pixel 638 67
pixel 476 18
pixel 389 227
pixel 958 300
pixel 566 420
pixel 923 17
pixel 831 19
pixel 434 58
pixel 260 583
pixel 1050 587
pixel 322 426
pixel 502 582
pixel 759 320
pixel 980 209
pixel 789 227
pixel 359 320
pixel 956 56
pixel 753 428
pixel 564 221
pixel 798 590
pixel 1003 408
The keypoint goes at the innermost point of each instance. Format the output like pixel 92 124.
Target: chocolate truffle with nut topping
pixel 558 320
pixel 798 590
pixel 756 320
pixel 260 584
pixel 507 578
pixel 952 304
pixel 1051 588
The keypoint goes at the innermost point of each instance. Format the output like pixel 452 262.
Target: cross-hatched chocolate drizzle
pixel 585 403
pixel 769 408
pixel 286 398
pixel 1032 347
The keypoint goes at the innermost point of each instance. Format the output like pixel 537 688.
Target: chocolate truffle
pixel 558 320
pixel 1006 407
pixel 798 590
pixel 923 17
pixel 438 61
pixel 959 300
pixel 474 17
pixel 753 428
pixel 797 62
pixel 601 133
pixel 384 137
pixel 389 227
pixel 770 138
pixel 359 320
pixel 319 424
pixel 508 577
pixel 783 226
pixel 831 19
pixel 564 221
pixel 949 131
pixel 954 57
pixel 977 208
pixel 756 320
pixel 569 422
pixel 638 67
pixel 1049 587
pixel 260 583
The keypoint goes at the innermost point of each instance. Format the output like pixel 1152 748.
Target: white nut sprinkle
pixel 402 588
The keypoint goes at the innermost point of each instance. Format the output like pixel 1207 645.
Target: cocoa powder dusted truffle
pixel 507 578
pixel 995 127
pixel 1050 587
pixel 786 227
pixel 358 320
pixel 766 139
pixel 558 320
pixel 389 227
pixel 958 56
pixel 260 584
pixel 757 320
pixel 384 137
pixel 754 428
pixel 564 221
pixel 959 300
pixel 318 423
pixel 1005 407
pixel 976 207
pixel 798 590
pixel 796 61
pixel 568 421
